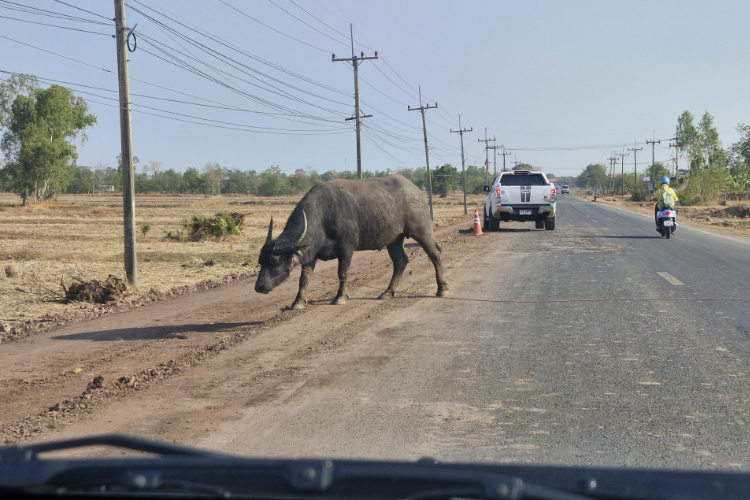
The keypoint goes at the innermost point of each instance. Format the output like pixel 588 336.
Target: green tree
pixel 192 181
pixel 37 142
pixel 594 176
pixel 299 182
pixel 444 180
pixel 700 143
pixel 81 180
pixel 273 182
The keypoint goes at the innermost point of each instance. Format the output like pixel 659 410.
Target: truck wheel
pixel 486 225
pixel 549 224
pixel 539 224
pixel 494 223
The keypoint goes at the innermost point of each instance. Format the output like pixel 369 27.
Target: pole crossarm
pixel 422 108
pixel 356 60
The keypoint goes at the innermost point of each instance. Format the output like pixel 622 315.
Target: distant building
pixel 107 188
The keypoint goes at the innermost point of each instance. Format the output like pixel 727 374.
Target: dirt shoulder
pixel 49 381
pixel 734 217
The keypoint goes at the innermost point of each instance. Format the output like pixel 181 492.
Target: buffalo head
pixel 277 258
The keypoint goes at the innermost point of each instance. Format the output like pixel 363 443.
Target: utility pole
pixel 504 153
pixel 676 151
pixel 635 150
pixel 612 162
pixel 461 131
pixel 486 155
pixel 653 162
pixel 516 162
pixel 494 152
pixel 422 109
pixel 357 116
pixel 126 144
pixel 623 155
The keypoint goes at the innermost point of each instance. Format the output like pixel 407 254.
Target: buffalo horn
pixel 270 231
pixel 304 231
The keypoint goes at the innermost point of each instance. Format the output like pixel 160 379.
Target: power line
pixel 55 26
pixel 272 28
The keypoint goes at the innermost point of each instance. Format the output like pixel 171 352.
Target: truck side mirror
pixel 486 189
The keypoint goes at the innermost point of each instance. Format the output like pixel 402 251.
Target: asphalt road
pixel 657 383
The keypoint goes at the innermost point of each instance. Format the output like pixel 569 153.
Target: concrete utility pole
pixel 463 160
pixel 486 156
pixel 653 162
pixel 504 153
pixel 612 162
pixel 515 162
pixel 422 109
pixel 623 155
pixel 635 150
pixel 128 199
pixel 357 116
pixel 676 151
pixel 494 152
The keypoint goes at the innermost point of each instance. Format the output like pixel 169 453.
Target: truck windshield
pixel 522 180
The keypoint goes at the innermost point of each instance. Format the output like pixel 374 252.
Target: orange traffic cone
pixel 477 224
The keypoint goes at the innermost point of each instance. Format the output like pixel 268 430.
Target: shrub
pixel 145 228
pixel 220 225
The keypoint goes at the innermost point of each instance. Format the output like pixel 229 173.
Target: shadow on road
pixel 627 237
pixel 152 332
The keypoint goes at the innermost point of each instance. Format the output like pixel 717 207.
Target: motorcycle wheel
pixel 667 233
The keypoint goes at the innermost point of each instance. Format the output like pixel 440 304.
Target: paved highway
pixel 613 382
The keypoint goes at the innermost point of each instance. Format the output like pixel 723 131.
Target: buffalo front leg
pixel 343 293
pixel 301 301
pixel 431 248
pixel 399 258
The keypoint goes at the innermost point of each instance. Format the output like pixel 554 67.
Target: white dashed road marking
pixel 671 279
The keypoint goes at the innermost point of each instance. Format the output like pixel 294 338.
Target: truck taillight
pixel 553 194
pixel 497 191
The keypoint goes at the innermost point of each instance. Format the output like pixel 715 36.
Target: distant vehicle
pixel 522 196
pixel 565 189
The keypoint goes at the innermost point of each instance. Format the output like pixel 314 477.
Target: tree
pixel 11 88
pixel 299 181
pixel 214 176
pixel 193 181
pixel 444 180
pixel 523 166
pixel 273 182
pixel 37 142
pixel 81 180
pixel 594 176
pixel 701 143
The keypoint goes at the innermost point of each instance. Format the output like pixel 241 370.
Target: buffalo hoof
pixel 338 301
pixel 442 293
pixel 385 295
pixel 297 306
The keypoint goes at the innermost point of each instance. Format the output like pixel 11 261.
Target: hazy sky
pixel 537 74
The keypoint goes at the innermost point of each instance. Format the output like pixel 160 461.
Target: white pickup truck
pixel 522 196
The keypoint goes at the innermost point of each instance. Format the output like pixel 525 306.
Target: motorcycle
pixel 666 222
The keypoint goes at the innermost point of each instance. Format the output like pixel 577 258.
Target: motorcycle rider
pixel 659 195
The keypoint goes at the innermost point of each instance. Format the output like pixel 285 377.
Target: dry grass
pixel 81 236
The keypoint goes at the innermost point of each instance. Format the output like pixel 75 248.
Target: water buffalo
pixel 336 218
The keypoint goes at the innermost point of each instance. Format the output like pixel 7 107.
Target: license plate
pixel 524 212
pixel 668 223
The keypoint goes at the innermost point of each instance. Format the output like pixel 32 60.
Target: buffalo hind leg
pixel 301 301
pixel 432 249
pixel 344 261
pixel 399 258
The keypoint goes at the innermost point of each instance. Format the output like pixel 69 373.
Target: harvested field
pixel 80 237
